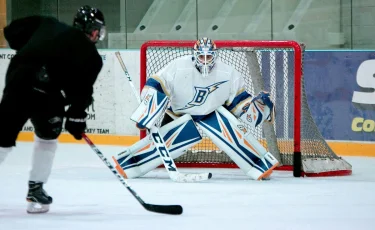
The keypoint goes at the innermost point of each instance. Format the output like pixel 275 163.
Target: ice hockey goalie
pixel 200 91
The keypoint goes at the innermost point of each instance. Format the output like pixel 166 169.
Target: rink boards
pixel 339 87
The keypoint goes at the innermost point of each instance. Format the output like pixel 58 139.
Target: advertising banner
pixel 340 87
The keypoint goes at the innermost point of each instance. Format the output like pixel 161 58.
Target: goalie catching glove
pixel 150 110
pixel 259 109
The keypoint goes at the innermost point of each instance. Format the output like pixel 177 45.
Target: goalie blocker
pixel 151 108
pixel 224 129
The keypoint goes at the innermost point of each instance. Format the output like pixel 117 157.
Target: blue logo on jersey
pixel 201 94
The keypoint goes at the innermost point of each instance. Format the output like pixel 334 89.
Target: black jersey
pixel 69 58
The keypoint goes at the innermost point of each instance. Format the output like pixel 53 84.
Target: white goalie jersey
pixel 190 93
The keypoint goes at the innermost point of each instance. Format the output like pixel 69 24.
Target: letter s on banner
pixel 365 79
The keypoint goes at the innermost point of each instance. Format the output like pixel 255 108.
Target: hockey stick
pixel 168 161
pixel 165 209
pixel 118 55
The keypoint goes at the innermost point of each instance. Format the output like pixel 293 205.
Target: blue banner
pixel 340 88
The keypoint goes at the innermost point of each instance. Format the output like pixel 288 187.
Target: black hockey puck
pixel 291 26
pixel 215 27
pixel 178 27
pixel 209 175
pixel 142 27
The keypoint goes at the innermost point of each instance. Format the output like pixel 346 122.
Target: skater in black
pixel 55 65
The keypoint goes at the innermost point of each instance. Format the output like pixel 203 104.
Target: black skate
pixel 37 198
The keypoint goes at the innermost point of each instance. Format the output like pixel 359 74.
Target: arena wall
pixel 333 24
pixel 339 86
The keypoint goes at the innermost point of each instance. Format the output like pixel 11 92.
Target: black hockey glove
pixel 76 123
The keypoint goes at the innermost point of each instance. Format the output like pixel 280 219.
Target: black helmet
pixel 89 19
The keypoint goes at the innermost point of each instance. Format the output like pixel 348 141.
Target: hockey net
pixel 273 66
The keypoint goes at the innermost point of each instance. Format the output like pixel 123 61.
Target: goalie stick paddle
pixel 165 209
pixel 163 151
pixel 169 164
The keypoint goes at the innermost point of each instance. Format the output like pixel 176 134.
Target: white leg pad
pixel 142 157
pixel 42 159
pixel 230 136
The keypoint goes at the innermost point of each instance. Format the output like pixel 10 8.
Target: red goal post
pixel 283 60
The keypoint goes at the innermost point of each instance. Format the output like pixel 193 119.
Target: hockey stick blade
pixel 164 209
pixel 184 177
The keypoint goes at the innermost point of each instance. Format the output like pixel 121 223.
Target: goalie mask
pixel 204 55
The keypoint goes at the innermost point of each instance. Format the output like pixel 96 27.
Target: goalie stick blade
pixel 186 178
pixel 165 209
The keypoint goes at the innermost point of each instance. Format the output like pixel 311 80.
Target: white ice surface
pixel 88 196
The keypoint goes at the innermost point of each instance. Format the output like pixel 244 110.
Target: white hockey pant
pixel 228 134
pixel 142 157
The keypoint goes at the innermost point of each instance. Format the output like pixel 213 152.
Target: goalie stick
pixel 157 139
pixel 165 209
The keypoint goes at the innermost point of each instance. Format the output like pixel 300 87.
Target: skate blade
pixel 35 208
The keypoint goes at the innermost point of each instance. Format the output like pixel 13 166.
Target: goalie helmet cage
pixel 273 66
